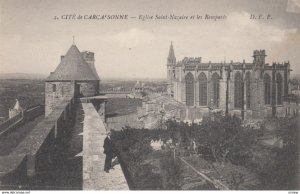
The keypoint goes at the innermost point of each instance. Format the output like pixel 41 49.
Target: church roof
pixel 171 52
pixel 73 67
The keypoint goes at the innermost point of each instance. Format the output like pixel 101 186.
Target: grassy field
pixel 28 92
pixel 127 85
pixel 122 106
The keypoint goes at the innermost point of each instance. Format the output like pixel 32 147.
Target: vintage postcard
pixel 149 95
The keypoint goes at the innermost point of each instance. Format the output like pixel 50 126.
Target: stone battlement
pixel 259 52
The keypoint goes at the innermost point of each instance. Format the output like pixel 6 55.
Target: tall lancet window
pixel 202 89
pixel 238 90
pixel 267 87
pixel 279 88
pixel 189 90
pixel 248 89
pixel 215 89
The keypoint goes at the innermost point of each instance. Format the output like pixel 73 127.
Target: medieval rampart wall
pixel 37 151
pixel 21 118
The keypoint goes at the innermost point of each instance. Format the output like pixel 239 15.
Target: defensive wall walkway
pixel 33 156
pixel 94 176
pixel 38 154
pixel 20 119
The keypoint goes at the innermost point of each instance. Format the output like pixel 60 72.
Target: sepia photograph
pixel 99 95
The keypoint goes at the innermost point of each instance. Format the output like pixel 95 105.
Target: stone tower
pixel 259 57
pixel 90 59
pixel 73 77
pixel 171 62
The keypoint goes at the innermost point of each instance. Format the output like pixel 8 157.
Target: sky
pixel 32 41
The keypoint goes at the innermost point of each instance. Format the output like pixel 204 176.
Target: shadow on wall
pixel 40 158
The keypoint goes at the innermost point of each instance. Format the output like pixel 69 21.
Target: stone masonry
pixel 94 177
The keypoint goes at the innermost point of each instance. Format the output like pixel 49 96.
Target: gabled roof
pixel 73 67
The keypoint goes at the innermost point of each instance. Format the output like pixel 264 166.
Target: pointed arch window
pixel 238 90
pixel 267 88
pixel 189 92
pixel 248 89
pixel 202 89
pixel 279 88
pixel 215 89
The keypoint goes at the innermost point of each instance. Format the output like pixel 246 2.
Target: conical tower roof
pixel 17 105
pixel 73 67
pixel 92 67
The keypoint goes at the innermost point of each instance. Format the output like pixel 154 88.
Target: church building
pixel 250 90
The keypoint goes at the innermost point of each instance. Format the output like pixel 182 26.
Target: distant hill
pixel 22 76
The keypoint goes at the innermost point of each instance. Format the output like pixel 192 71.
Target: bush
pixel 220 139
pixel 282 172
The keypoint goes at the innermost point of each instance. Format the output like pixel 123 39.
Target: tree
pixel 173 173
pixel 282 173
pixel 223 138
pixel 226 138
pixel 134 145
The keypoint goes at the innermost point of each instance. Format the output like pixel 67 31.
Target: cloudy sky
pixel 31 41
